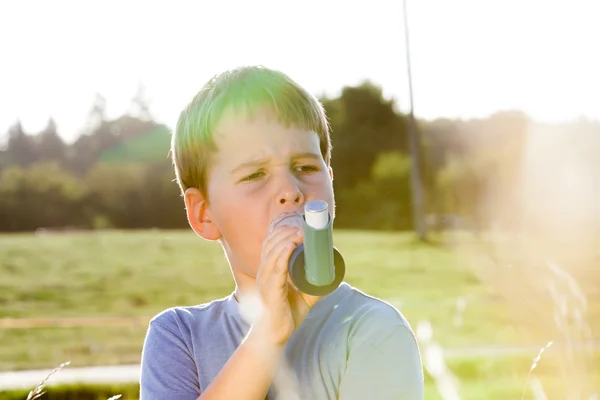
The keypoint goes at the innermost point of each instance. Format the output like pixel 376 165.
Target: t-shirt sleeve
pixel 384 364
pixel 168 370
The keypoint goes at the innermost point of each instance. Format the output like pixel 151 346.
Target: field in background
pixel 138 274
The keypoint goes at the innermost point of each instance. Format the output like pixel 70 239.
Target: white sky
pixel 469 58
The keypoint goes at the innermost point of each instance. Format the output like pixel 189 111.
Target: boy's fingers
pixel 281 266
pixel 283 247
pixel 280 277
pixel 274 237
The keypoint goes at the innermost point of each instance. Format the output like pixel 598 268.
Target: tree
pixel 97 113
pixel 84 151
pixel 21 146
pixel 140 104
pixel 50 146
pixel 363 125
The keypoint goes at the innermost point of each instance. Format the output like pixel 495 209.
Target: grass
pixel 480 378
pixel 114 273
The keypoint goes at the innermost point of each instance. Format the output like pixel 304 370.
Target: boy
pixel 250 146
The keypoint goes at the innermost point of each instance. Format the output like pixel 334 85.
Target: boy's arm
pixel 385 365
pixel 168 371
pixel 249 372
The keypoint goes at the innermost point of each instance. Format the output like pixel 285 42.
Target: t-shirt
pixel 350 346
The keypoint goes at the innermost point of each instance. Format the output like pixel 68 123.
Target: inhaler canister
pixel 318 244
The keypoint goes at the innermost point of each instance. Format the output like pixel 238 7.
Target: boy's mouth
pixel 287 219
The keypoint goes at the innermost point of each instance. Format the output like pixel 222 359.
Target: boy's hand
pixel 284 307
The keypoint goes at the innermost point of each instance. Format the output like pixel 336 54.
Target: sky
pixel 469 58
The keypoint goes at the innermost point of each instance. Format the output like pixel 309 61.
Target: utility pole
pixel 417 192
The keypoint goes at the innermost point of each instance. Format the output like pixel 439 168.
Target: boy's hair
pixel 241 89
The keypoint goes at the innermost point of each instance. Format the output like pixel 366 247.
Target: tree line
pixel 117 173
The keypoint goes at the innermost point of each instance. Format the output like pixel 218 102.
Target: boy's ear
pixel 199 216
pixel 330 172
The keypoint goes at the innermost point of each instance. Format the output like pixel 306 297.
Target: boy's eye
pixel 254 176
pixel 305 169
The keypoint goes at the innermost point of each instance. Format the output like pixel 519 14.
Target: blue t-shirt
pixel 350 346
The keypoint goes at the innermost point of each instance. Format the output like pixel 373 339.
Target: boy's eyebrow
pixel 262 161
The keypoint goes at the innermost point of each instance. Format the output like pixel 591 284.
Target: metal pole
pixel 418 197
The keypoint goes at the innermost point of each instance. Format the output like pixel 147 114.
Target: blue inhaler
pixel 316 266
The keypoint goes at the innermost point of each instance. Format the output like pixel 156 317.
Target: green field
pixel 126 274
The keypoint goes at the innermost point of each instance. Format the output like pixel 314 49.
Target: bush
pixel 79 392
pixel 383 202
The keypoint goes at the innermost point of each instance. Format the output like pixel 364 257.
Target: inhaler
pixel 316 266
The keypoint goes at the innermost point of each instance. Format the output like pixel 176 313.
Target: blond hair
pixel 241 89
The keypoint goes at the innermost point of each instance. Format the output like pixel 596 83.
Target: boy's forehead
pixel 245 127
pixel 243 137
pixel 232 118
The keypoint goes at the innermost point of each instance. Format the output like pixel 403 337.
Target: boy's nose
pixel 289 193
pixel 291 196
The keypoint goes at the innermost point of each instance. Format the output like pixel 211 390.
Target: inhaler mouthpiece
pixel 287 219
pixel 316 267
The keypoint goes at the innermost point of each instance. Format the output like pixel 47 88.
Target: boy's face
pixel 261 169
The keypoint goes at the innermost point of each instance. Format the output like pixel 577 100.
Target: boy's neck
pixel 245 286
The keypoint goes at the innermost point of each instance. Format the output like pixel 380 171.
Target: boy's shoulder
pixel 184 316
pixel 347 305
pixel 366 310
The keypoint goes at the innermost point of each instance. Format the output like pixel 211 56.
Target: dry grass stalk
pixel 37 392
pixel 536 385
